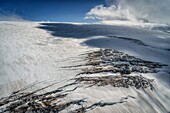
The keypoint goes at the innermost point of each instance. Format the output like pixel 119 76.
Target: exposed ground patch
pixel 121 65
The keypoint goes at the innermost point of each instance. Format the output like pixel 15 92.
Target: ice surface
pixel 29 54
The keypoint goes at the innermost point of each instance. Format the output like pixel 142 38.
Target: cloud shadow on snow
pixel 114 37
pixel 84 31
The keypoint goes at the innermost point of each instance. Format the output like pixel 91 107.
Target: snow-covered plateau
pixel 34 55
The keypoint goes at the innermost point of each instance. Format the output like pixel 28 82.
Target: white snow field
pixel 29 54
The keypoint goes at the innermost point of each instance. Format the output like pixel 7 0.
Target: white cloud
pixel 132 10
pixel 110 13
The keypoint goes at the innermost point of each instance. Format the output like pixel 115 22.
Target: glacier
pixel 34 53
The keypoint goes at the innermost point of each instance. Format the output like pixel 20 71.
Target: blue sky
pixel 49 10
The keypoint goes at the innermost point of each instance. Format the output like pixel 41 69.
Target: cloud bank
pixel 133 10
pixel 110 13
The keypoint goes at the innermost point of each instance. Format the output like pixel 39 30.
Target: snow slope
pixel 29 54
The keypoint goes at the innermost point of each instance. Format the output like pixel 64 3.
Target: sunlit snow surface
pixel 33 52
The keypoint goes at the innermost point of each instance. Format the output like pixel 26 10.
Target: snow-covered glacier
pixel 34 55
